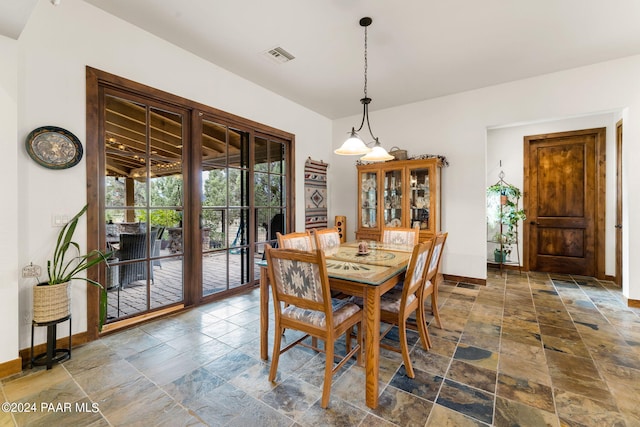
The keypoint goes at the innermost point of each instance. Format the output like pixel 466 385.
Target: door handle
pixel 533 223
pixel 618 225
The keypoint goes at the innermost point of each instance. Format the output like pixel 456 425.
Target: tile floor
pixel 529 350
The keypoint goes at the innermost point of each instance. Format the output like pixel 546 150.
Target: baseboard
pixel 633 303
pixel 76 339
pixel 610 278
pixel 472 280
pixel 495 265
pixel 10 367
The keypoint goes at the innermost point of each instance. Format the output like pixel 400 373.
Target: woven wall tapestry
pixel 315 194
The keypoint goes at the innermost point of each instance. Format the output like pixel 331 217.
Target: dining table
pixel 367 275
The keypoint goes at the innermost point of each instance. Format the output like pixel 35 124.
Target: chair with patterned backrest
pixel 404 299
pixel 431 282
pixel 301 241
pixel 401 236
pixel 327 239
pixel 300 281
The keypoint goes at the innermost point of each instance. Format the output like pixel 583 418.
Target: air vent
pixel 279 55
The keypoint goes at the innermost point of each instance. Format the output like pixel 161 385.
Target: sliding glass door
pixel 270 191
pixel 143 206
pixel 225 207
pixel 188 196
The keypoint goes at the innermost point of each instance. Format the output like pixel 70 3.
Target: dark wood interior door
pixel 563 179
pixel 619 203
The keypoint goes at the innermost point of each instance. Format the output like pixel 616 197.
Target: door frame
pixel 618 226
pixel 600 196
pixel 95 80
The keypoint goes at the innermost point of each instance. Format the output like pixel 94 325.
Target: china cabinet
pixel 399 193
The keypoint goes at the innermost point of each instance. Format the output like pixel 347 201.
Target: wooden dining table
pixel 367 276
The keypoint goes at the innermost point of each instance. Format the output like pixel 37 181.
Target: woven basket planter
pixel 51 302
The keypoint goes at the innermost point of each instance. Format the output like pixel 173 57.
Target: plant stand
pixel 505 236
pixel 53 354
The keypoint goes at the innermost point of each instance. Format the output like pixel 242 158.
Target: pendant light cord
pixel 366 100
pixel 365 62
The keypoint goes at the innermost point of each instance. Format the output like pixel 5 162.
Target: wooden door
pixel 564 201
pixel 619 203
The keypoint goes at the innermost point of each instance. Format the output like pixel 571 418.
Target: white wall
pixel 54 48
pixel 9 212
pixel 456 126
pixel 59 42
pixel 506 144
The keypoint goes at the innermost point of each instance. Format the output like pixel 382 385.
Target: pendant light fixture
pixel 355 145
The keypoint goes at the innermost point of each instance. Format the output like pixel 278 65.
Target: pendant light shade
pixel 377 154
pixel 355 145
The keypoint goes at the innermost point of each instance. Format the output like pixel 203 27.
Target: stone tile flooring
pixel 528 350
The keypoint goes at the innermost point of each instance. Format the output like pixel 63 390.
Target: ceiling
pixel 418 49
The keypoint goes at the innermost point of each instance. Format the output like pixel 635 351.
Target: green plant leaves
pixel 67 263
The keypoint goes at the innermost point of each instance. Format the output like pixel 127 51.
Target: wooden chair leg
pixel 277 338
pixel 360 354
pixel 328 374
pixel 402 327
pixel 422 328
pixel 434 308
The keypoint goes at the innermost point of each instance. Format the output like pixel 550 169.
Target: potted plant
pixel 503 210
pixel 51 299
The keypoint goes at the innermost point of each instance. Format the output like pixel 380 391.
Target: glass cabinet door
pixel 392 194
pixel 420 198
pixel 368 199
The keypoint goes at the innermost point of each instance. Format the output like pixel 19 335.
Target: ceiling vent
pixel 279 55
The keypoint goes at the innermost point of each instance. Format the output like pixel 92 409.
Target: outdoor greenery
pixel 224 190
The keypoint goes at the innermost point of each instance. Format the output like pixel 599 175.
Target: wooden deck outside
pixel 167 286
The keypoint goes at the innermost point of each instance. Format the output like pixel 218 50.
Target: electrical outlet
pixel 26 317
pixel 32 271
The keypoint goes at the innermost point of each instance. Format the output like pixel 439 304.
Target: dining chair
pixel 327 239
pixel 401 236
pixel 431 283
pixel 300 241
pixel 399 303
pixel 300 281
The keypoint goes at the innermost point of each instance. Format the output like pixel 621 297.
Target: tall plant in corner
pixel 68 264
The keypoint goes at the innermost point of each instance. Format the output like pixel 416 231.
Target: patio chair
pixel 276 226
pixel 133 246
pixel 157 243
pixel 299 279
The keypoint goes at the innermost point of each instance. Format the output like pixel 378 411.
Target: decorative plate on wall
pixel 54 147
